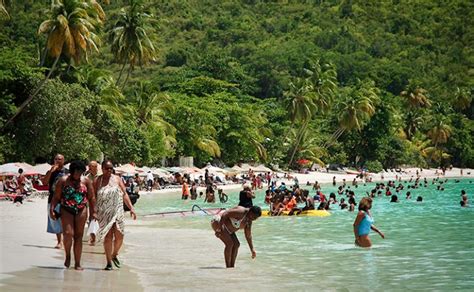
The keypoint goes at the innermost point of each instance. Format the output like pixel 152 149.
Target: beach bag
pixel 93 227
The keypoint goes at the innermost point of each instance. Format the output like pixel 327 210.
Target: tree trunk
pixel 128 75
pixel 334 137
pixel 298 141
pixel 28 100
pixel 120 74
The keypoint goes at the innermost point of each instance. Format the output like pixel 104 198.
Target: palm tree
pixel 308 148
pixel 301 108
pixel 70 30
pixel 415 96
pixel 323 80
pixel 440 133
pixel 70 33
pixel 130 42
pixel 462 98
pixel 413 120
pixel 306 96
pixel 148 108
pixel 356 108
pixel 3 9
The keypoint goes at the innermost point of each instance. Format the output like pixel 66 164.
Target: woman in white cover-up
pixel 111 194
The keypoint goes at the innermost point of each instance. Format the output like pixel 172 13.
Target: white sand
pixel 28 260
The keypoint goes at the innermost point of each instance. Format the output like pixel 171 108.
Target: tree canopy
pixel 352 82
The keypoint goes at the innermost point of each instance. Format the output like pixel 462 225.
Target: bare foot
pixel 67 262
pixel 78 268
pixel 58 246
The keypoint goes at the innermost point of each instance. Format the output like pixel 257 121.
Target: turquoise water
pixel 428 245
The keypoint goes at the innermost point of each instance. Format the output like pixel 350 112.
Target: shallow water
pixel 428 245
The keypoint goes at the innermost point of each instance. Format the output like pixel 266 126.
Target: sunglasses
pixel 108 168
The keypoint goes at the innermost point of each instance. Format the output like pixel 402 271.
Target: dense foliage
pixel 362 83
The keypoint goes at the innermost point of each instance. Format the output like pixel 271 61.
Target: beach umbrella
pixel 42 168
pixel 144 169
pixel 127 168
pixel 261 168
pixel 13 167
pixel 191 170
pixel 176 169
pixel 213 169
pixel 160 172
pixel 246 167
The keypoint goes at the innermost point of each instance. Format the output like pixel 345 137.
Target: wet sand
pixel 29 262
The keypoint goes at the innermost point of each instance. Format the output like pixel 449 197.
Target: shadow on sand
pixel 212 268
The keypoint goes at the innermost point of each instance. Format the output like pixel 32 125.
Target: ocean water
pixel 428 245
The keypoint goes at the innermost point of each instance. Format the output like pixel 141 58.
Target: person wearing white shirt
pixel 149 181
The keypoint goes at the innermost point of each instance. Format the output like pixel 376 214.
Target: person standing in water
pixel 111 195
pixel 364 223
pixel 226 224
pixel 464 201
pixel 245 197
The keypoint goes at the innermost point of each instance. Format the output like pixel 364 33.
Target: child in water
pixel 222 196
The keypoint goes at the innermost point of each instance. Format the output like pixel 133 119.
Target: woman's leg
pixel 58 237
pixel 67 220
pixel 229 245
pixel 79 223
pixel 108 245
pixel 118 241
pixel 235 249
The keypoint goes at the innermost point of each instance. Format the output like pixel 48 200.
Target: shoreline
pixel 326 178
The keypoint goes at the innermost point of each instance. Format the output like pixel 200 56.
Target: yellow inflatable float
pixel 309 213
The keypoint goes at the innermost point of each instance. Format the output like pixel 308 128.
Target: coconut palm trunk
pixel 120 74
pixel 299 137
pixel 128 75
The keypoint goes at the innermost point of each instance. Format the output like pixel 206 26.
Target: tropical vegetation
pixel 349 82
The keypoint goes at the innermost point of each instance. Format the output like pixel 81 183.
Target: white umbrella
pixel 159 172
pixel 42 168
pixel 13 167
pixel 246 167
pixel 213 169
pixel 261 168
pixel 237 168
pixel 127 168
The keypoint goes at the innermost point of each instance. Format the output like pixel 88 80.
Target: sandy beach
pixel 184 259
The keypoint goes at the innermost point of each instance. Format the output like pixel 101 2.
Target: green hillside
pixel 363 83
